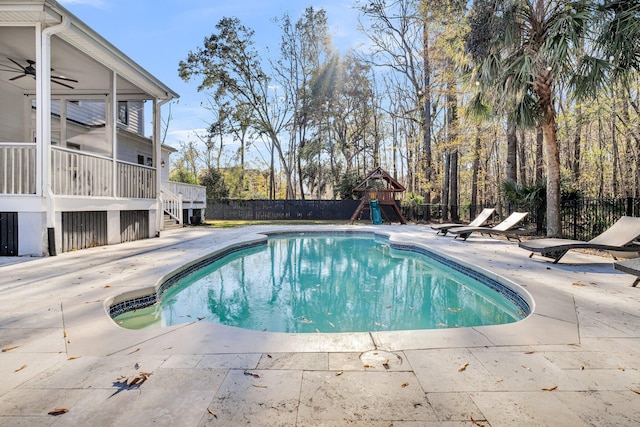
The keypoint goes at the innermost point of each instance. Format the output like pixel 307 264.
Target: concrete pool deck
pixel 573 362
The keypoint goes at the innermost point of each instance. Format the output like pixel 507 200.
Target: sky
pixel 158 34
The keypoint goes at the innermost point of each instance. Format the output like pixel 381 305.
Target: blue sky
pixel 158 34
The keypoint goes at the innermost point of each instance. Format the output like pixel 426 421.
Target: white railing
pixel 75 173
pixel 17 168
pixel 190 192
pixel 172 205
pixel 136 181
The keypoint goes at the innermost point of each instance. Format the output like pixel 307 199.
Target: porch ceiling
pixel 77 53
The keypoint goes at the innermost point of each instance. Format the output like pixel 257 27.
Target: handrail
pixel 172 204
pixel 18 168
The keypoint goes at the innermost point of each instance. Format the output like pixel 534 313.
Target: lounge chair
pixel 630 266
pixel 617 238
pixel 505 228
pixel 479 221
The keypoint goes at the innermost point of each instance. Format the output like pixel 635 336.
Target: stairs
pixel 170 223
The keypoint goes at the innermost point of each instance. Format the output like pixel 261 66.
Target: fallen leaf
pixel 479 424
pixel 578 284
pixel 200 318
pixel 635 390
pixel 582 368
pixel 212 413
pixel 620 368
pixel 404 385
pixel 529 352
pixel 463 367
pixel 20 368
pixel 253 374
pixel 134 351
pixel 64 334
pixel 107 286
pixel 73 357
pixel 332 325
pixel 58 411
pixel 339 373
pixel 260 385
pixel 527 368
pixel 386 364
pixel 137 379
pixel 550 388
pixel 366 365
pixel 269 356
pixel 4 350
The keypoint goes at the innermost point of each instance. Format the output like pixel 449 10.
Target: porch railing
pixel 136 181
pixel 172 205
pixel 190 192
pixel 17 168
pixel 85 174
pixel 76 173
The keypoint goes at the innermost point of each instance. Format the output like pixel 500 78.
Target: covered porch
pixel 77 168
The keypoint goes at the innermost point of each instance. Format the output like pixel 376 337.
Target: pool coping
pixel 96 333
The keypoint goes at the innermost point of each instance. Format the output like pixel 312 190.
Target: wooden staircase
pixel 170 222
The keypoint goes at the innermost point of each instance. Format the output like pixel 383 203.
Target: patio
pixel 573 362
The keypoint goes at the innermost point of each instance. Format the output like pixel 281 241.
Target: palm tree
pixel 523 48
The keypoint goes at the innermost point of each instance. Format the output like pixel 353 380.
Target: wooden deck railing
pixel 75 173
pixel 190 192
pixel 79 173
pixel 136 181
pixel 17 168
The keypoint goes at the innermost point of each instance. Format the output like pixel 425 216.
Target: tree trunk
pixel 614 146
pixel 445 187
pixel 542 85
pixel 577 146
pixel 522 159
pixel 511 171
pixel 453 193
pixel 539 172
pixel 474 177
pixel 425 113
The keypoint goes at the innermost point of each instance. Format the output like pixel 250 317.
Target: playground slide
pixel 376 216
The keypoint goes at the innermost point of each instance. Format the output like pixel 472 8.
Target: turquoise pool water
pixel 328 283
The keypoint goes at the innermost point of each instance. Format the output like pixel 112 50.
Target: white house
pixel 76 170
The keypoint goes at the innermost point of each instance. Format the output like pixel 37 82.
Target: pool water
pixel 328 283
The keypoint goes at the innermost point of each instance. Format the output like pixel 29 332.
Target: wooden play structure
pixel 379 188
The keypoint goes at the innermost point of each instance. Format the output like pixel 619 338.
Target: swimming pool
pixel 327 282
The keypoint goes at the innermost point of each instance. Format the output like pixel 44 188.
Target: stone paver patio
pixel 573 362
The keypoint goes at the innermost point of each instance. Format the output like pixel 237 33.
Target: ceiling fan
pixel 30 70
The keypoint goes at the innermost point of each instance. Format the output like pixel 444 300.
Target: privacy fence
pixel 582 219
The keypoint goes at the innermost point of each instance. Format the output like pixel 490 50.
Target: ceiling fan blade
pixel 9 68
pixel 61 84
pixel 17 77
pixel 64 78
pixel 18 64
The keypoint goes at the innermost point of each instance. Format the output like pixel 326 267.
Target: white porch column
pixel 112 113
pixel 157 158
pixel 43 125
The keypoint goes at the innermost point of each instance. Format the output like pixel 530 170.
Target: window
pixel 140 159
pixel 123 112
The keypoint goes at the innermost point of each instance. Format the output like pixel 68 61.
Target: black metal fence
pixel 581 219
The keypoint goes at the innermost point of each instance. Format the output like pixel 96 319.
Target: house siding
pixel 11 115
